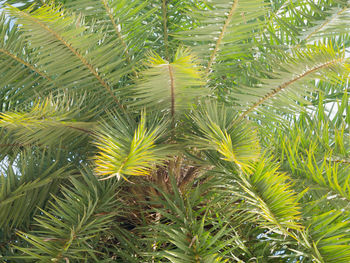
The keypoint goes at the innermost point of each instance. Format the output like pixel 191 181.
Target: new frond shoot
pixel 128 149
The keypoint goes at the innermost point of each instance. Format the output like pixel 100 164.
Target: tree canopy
pixel 175 131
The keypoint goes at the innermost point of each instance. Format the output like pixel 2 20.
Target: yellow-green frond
pixel 128 149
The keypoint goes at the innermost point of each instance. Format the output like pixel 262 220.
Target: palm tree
pixel 175 131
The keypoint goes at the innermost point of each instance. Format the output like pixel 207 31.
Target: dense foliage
pixel 175 131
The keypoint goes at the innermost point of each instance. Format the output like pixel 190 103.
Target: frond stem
pixel 221 36
pixel 285 85
pixel 110 15
pixel 339 160
pixel 118 31
pixel 80 129
pixel 13 145
pixel 165 28
pixel 172 91
pixel 13 56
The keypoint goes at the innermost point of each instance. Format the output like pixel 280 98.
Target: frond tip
pixel 124 151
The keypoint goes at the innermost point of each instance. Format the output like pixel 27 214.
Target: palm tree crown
pixel 175 131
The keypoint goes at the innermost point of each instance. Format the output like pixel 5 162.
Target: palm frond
pixel 215 127
pixel 337 24
pixel 196 234
pixel 326 238
pixel 268 194
pixel 74 223
pixel 313 150
pixel 226 30
pixel 126 148
pixel 93 63
pixel 56 118
pixel 290 22
pixel 26 185
pixel 18 72
pixel 171 86
pixel 291 79
pixel 333 176
pixel 306 151
pixel 127 22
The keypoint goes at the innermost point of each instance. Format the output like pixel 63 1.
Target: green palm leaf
pixel 293 78
pixel 54 118
pixel 67 229
pixel 77 46
pixel 126 148
pixel 18 70
pixel 171 86
pixel 216 128
pixel 269 195
pixel 28 187
pixel 227 27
